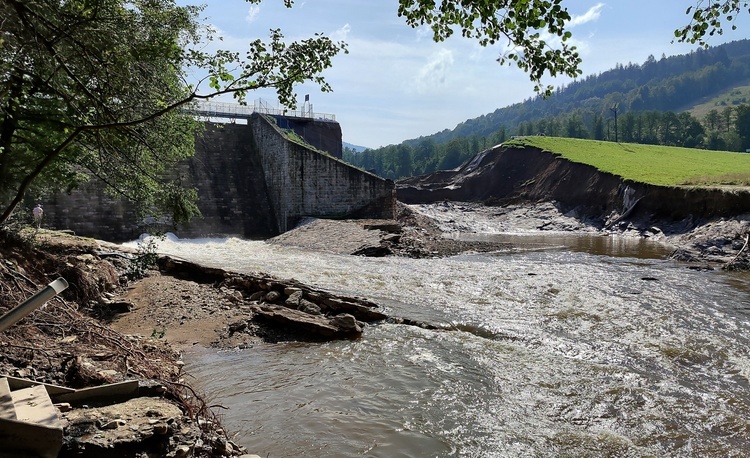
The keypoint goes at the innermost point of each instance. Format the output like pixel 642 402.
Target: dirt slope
pixel 504 175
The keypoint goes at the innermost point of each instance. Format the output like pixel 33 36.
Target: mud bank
pixel 703 224
pixel 512 175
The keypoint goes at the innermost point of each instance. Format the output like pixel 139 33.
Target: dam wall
pixel 303 182
pixel 252 182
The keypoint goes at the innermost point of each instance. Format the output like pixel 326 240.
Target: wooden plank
pixel 16 383
pixel 27 440
pixel 7 410
pixel 119 390
pixel 37 431
pixel 33 405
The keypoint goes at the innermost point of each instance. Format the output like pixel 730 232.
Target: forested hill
pixel 667 84
pixel 652 101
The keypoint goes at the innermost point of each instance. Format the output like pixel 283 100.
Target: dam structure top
pixel 238 111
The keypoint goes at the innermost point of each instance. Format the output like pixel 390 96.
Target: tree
pixel 706 20
pixel 742 126
pixel 520 22
pixel 95 88
pixel 453 156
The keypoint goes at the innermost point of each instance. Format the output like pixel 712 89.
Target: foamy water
pixel 559 353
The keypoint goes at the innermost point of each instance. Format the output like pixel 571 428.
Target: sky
pixel 397 84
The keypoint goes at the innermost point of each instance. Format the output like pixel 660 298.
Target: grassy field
pixel 660 165
pixel 736 96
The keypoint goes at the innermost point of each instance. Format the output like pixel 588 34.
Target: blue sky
pixel 397 84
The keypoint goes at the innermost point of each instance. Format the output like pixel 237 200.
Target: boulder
pixel 318 326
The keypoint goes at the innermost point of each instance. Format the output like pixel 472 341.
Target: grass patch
pixel 659 165
pixel 731 98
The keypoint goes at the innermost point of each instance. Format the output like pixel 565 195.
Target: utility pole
pixel 614 110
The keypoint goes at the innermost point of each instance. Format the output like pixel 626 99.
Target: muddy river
pixel 565 346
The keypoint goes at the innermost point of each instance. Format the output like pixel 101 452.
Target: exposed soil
pixel 508 175
pixel 182 312
pixel 68 343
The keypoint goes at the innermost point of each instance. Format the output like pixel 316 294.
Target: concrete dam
pixel 252 182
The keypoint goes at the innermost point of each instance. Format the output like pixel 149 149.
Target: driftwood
pixel 739 253
pixel 625 214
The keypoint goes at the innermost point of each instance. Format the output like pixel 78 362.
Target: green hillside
pixel 659 165
pixel 731 97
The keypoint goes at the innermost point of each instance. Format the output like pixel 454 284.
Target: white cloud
pixel 424 32
pixel 435 71
pixel 592 14
pixel 252 14
pixel 342 33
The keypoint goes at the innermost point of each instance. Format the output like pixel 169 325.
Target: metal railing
pixel 235 110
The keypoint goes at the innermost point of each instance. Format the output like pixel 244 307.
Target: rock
pixel 289 290
pixel 318 326
pixel 24 373
pixel 233 295
pixel 237 326
pixel 393 238
pixel 64 407
pixel 309 307
pixel 346 323
pixel 294 299
pixel 714 251
pixel 372 251
pixel 161 429
pixel 223 446
pixel 360 311
pixel 272 296
pixel 102 427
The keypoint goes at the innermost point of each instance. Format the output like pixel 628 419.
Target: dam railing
pixel 237 111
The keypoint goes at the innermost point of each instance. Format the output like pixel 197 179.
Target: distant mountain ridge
pixel 667 84
pixel 353 147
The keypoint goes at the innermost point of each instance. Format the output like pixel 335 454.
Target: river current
pixel 564 346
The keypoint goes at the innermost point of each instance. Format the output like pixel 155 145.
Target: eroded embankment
pixel 507 174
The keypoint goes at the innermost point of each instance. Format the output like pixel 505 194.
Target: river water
pixel 564 346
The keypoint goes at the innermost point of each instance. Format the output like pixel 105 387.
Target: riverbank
pixel 425 230
pixel 111 327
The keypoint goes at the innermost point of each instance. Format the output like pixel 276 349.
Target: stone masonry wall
pixel 302 182
pixel 324 135
pixel 228 174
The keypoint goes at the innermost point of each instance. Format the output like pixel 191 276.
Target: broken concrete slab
pixel 314 324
